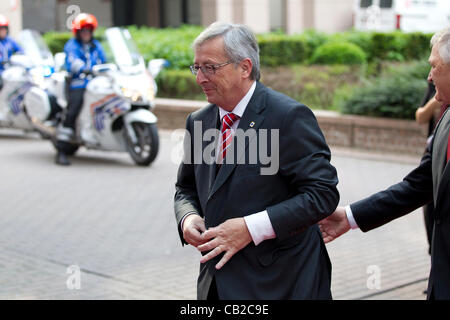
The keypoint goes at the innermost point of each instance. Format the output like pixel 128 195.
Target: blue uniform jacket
pixel 82 57
pixel 7 47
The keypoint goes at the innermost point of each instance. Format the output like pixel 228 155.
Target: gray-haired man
pixel 430 181
pixel 258 231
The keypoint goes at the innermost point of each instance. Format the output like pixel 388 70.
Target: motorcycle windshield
pixel 35 47
pixel 123 50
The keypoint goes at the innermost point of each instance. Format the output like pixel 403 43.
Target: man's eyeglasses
pixel 208 69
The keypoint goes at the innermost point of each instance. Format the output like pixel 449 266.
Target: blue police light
pixel 47 71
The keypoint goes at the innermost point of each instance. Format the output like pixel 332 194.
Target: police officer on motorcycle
pixel 82 53
pixel 7 46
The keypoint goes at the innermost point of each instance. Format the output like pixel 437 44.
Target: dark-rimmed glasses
pixel 208 69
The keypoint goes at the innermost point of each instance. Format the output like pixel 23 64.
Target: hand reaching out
pixel 335 225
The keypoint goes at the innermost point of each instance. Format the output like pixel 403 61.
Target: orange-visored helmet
pixel 4 22
pixel 84 20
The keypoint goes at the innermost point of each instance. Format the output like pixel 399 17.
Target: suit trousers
pixel 213 295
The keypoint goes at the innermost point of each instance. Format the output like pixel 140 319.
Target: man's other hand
pixel 229 237
pixel 335 225
pixel 193 227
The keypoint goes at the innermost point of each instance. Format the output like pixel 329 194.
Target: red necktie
pixel 228 120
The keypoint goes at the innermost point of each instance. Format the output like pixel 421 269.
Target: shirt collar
pixel 242 105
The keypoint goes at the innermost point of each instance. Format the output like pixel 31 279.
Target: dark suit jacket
pixel 430 181
pixel 295 265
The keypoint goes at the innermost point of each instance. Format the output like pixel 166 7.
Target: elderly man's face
pixel 440 75
pixel 224 87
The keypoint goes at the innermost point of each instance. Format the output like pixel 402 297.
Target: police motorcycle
pixel 118 101
pixel 25 84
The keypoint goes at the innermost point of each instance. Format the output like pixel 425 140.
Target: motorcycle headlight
pixel 127 92
pixel 137 95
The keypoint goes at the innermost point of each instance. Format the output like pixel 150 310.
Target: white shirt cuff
pixel 350 218
pixel 184 218
pixel 260 227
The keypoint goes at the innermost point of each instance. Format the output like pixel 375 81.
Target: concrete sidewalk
pixel 115 222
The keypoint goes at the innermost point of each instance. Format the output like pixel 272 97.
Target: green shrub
pixel 178 84
pixel 361 39
pixel 339 53
pixel 383 44
pixel 56 40
pixel 280 49
pixel 416 69
pixel 172 44
pixel 314 39
pixel 417 46
pixel 387 97
pixel 400 46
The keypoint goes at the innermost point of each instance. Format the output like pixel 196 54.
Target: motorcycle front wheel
pixel 145 149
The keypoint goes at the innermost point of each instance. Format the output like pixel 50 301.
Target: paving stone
pixel 115 221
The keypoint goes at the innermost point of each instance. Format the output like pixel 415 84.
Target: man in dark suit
pixel 257 229
pixel 430 181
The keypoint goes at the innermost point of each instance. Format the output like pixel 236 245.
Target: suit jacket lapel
pixel 441 169
pixel 252 118
pixel 211 121
pixel 445 176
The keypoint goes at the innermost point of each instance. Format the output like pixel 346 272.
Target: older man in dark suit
pixel 255 225
pixel 430 181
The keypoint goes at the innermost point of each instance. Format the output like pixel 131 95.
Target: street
pixel 115 221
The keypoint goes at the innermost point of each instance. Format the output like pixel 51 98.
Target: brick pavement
pixel 115 221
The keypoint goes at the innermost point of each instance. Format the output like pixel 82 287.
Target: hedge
pixel 276 49
pixel 57 40
pixel 281 49
pixel 395 94
pixel 178 84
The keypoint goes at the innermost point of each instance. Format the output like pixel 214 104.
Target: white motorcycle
pixel 116 113
pixel 25 83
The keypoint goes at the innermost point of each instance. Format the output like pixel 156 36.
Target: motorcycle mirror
pixel 156 65
pixel 21 60
pixel 60 59
pixel 103 68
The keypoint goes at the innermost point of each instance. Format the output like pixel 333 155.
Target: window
pixel 365 3
pixel 385 3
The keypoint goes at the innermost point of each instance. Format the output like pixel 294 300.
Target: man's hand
pixel 193 227
pixel 335 225
pixel 229 237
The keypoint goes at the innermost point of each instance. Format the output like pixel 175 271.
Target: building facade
pixel 12 9
pixel 291 16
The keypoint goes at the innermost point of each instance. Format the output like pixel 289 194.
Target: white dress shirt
pixel 258 224
pixel 350 218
